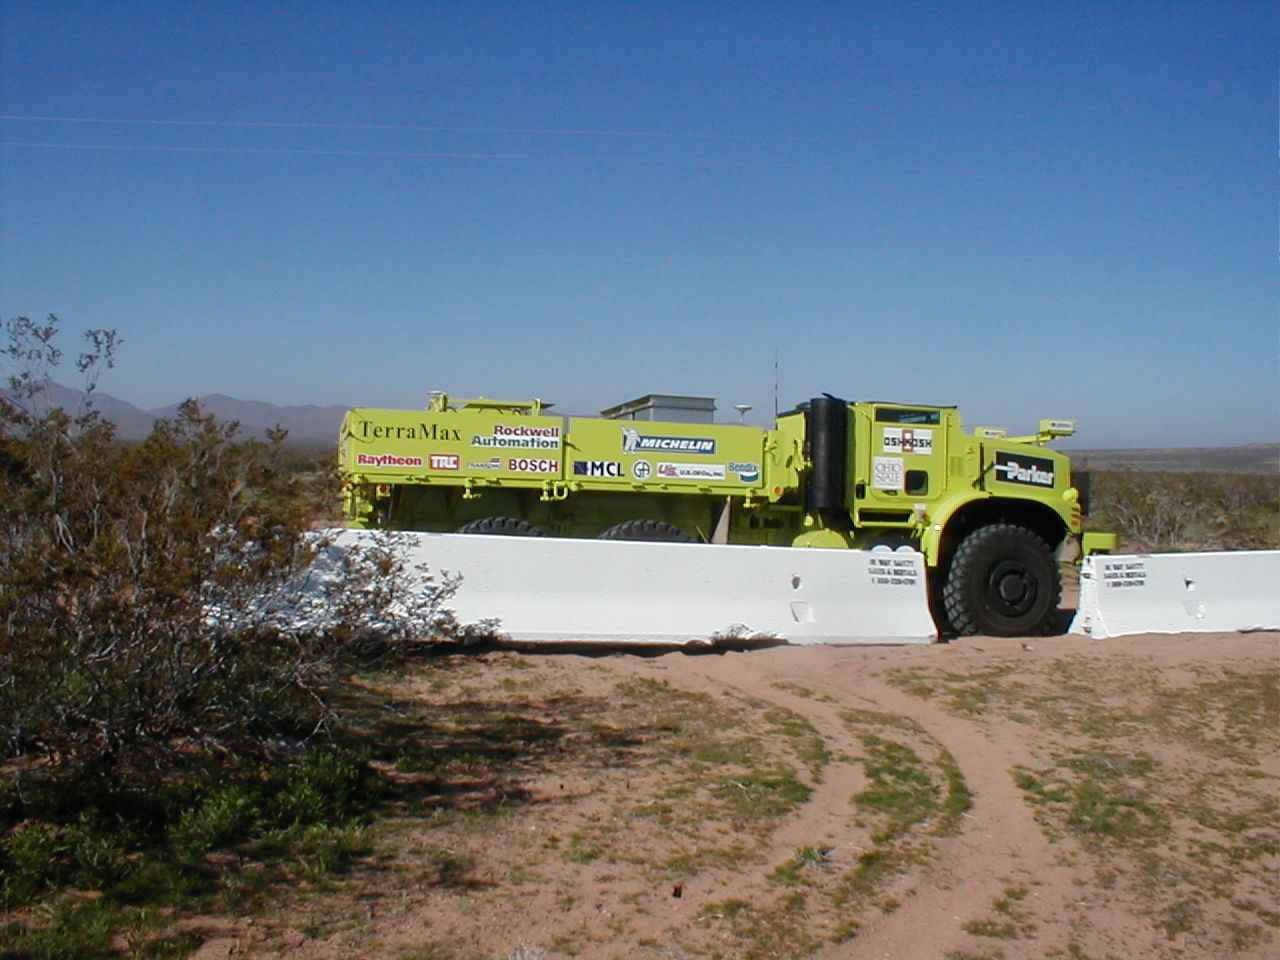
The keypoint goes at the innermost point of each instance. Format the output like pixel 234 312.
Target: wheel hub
pixel 1011 588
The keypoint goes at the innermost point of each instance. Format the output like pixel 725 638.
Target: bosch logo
pixel 533 465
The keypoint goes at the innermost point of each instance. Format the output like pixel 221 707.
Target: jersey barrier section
pixel 547 590
pixel 1178 593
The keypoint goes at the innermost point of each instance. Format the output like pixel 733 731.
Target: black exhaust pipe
pixel 827 427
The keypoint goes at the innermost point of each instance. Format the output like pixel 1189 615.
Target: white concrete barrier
pixel 548 590
pixel 1179 593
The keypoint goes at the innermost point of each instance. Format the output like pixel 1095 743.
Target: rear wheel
pixel 503 527
pixel 652 530
pixel 1002 581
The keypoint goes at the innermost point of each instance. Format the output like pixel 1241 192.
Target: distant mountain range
pixel 311 425
pixel 307 425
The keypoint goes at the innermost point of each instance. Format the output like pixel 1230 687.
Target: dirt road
pixel 988 798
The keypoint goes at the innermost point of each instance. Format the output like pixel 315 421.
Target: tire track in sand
pixel 1000 843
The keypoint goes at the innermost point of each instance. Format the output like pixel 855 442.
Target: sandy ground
pixel 1060 797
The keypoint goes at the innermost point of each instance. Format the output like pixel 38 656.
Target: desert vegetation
pixel 1167 511
pixel 160 696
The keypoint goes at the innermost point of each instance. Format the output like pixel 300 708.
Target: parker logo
pixel 532 465
pixel 519 437
pixel 1028 471
pixel 633 441
pixel 386 460
pixel 597 468
pixel 908 440
pixel 422 430
pixel 444 461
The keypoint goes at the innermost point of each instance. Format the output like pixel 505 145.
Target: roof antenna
pixel 775 385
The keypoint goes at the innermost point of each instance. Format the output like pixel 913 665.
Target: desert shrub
pixel 1188 511
pixel 149 594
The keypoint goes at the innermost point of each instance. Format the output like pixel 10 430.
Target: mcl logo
pixel 597 468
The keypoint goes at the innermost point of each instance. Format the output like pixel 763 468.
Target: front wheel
pixel 1003 581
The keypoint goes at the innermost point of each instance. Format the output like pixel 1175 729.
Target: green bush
pixel 224 817
pixel 327 786
pixel 35 859
pixel 1187 511
pixel 148 593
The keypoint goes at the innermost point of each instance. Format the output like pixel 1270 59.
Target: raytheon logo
pixel 1028 471
pixel 386 460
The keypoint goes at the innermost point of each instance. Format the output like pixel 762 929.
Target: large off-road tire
pixel 1002 581
pixel 652 530
pixel 503 527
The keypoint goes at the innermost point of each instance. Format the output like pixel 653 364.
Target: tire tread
pixel 963 620
pixel 502 527
pixel 656 531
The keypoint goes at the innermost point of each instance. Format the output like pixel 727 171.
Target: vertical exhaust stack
pixel 827 428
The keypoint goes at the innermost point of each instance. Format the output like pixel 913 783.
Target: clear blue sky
pixel 1026 213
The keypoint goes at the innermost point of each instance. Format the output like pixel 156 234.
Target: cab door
pixel 904 463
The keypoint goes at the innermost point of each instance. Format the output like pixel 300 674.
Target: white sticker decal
pixel 893 571
pixel 533 465
pixel 386 460
pixel 886 473
pixel 691 471
pixel 519 436
pixel 908 440
pixel 1124 573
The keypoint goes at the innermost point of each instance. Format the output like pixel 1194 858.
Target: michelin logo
pixel 633 441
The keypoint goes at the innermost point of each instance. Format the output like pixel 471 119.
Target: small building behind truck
pixel 988 511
